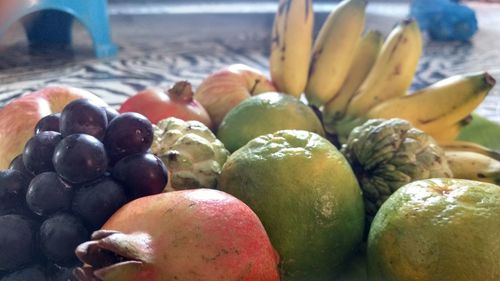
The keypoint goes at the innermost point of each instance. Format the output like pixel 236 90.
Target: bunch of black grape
pixel 78 169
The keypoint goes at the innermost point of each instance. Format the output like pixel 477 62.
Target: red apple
pixel 226 88
pixel 19 117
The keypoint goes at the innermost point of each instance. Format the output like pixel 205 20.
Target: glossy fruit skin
pixel 47 194
pixel 204 233
pixel 127 134
pixel 18 165
pixel 59 236
pixel 13 186
pixel 157 104
pixel 48 123
pixel 83 117
pixel 111 113
pixel 80 158
pixel 32 273
pixel 96 202
pixel 141 174
pixel 17 241
pixel 37 155
pixel 19 117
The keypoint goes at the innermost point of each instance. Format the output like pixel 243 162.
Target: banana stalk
pixel 364 58
pixel 473 166
pixel 333 51
pixel 394 69
pixel 440 105
pixel 291 45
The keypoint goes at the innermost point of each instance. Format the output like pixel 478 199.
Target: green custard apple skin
pixel 437 230
pixel 265 114
pixel 387 154
pixel 307 197
pixel 191 152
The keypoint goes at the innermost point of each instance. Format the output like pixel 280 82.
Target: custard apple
pixel 387 154
pixel 191 152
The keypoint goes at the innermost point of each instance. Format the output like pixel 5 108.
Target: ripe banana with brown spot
pixel 333 51
pixel 291 44
pixel 473 166
pixel 440 105
pixel 467 146
pixel 364 58
pixel 394 69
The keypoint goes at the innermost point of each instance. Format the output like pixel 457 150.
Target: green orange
pixel 307 197
pixel 437 230
pixel 266 114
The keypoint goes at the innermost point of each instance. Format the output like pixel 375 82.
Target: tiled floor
pixel 166 43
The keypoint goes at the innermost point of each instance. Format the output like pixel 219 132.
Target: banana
pixel 291 45
pixel 364 58
pixel 473 166
pixel 466 146
pixel 333 50
pixel 448 134
pixel 393 71
pixel 440 105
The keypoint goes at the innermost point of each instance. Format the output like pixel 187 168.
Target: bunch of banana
pixel 291 44
pixel 364 58
pixel 352 78
pixel 334 50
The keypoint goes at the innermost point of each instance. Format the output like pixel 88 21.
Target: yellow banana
pixel 364 58
pixel 473 166
pixel 446 134
pixel 458 145
pixel 333 50
pixel 291 45
pixel 393 71
pixel 440 105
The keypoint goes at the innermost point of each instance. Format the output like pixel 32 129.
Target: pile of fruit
pixel 327 169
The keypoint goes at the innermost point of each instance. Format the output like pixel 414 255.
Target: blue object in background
pixel 52 21
pixel 444 20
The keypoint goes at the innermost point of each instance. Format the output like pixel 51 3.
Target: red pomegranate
pixel 187 235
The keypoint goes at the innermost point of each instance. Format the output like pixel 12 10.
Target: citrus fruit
pixel 307 197
pixel 437 229
pixel 266 114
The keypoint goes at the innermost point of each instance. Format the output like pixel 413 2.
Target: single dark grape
pixel 48 123
pixel 95 203
pixel 128 134
pixel 47 194
pixel 59 237
pixel 37 155
pixel 32 273
pixel 13 186
pixel 80 158
pixel 17 241
pixel 141 174
pixel 111 113
pixel 18 165
pixel 83 116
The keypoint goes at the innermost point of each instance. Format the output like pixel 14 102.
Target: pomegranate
pixel 199 234
pixel 157 104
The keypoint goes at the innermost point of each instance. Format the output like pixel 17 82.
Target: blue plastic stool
pixel 53 20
